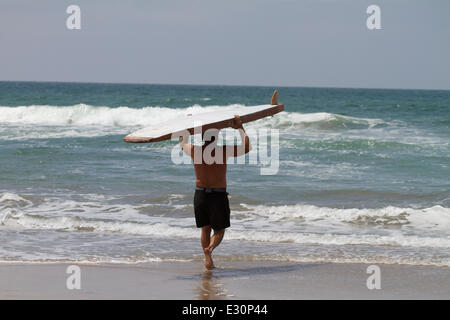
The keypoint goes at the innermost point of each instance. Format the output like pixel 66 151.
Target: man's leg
pixel 206 236
pixel 216 239
pixel 206 240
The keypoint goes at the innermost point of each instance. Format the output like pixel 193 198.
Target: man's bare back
pixel 211 175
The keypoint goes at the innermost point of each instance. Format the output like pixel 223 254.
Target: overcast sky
pixel 235 42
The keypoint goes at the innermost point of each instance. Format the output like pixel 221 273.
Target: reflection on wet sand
pixel 210 288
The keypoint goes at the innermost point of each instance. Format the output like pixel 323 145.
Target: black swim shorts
pixel 212 209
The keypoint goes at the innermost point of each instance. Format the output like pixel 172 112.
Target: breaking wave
pixel 366 234
pixel 119 120
pixel 165 230
pixel 434 218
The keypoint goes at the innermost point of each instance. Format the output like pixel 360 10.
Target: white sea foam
pixel 167 230
pixel 12 197
pixel 81 120
pixel 320 120
pixel 86 115
pixel 433 218
pixel 319 258
pixel 93 260
pixel 327 258
pixel 99 207
pixel 384 232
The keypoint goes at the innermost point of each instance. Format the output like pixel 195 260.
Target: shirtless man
pixel 212 210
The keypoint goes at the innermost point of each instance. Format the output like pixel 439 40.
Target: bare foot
pixel 209 263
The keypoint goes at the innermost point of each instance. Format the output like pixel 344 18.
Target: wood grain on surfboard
pixel 166 131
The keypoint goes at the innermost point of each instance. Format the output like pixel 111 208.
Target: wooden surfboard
pixel 204 121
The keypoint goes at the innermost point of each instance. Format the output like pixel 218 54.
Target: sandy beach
pixel 232 280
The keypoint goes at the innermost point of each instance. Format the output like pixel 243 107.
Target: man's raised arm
pixel 186 147
pixel 245 147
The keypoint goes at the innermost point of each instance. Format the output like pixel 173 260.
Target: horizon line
pixel 222 85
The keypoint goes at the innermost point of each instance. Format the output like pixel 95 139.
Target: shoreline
pixel 231 280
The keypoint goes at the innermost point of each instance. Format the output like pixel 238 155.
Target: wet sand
pixel 231 280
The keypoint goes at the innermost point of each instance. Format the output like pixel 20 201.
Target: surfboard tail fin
pixel 274 100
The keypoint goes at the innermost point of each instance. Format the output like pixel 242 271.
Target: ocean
pixel 363 177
